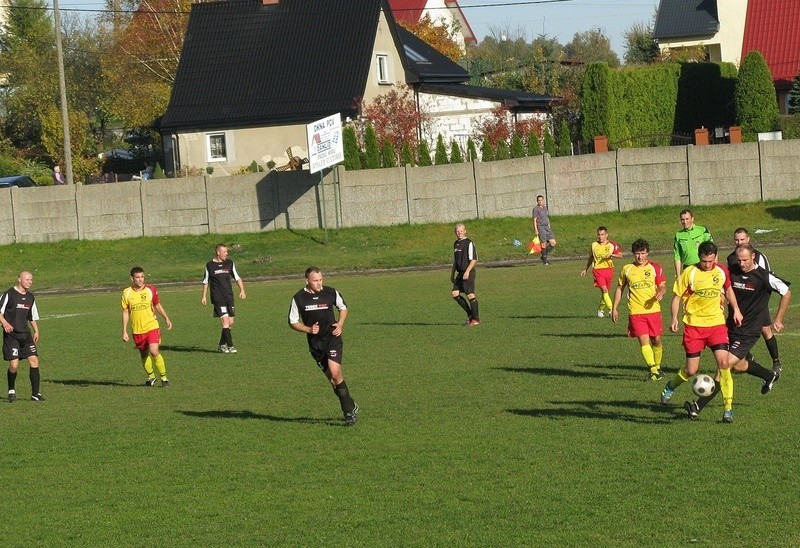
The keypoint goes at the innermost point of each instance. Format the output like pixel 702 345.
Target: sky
pixel 559 19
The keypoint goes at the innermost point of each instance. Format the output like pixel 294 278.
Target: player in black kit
pixel 219 272
pixel 17 310
pixel 742 236
pixel 311 312
pixel 752 285
pixel 465 257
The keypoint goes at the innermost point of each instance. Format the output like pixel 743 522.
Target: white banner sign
pixel 325 147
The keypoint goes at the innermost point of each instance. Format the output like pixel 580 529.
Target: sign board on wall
pixel 325 146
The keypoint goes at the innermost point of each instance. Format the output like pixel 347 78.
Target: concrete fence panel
pixel 45 214
pixel 300 200
pixel 509 188
pixel 6 217
pixel 577 185
pixel 442 194
pixel 109 211
pixel 241 203
pixel 174 206
pixel 724 174
pixel 374 194
pixel 650 177
pixel 780 169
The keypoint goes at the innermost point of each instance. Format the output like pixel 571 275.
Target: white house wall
pixel 441 14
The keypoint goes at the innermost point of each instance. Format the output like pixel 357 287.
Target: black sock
pixel 473 307
pixel 222 339
pixel 462 302
pixel 772 346
pixel 704 400
pixel 226 334
pixel 34 380
pixel 345 400
pixel 757 370
pixel 12 380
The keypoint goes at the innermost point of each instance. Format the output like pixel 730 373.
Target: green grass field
pixel 536 428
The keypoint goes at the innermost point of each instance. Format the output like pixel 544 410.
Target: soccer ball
pixel 703 385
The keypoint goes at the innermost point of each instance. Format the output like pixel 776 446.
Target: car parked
pixel 16 180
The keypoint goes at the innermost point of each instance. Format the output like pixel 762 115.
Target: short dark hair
pixel 741 230
pixel 539 196
pixel 601 227
pixel 640 245
pixel 312 270
pixel 706 248
pixel 685 211
pixel 137 270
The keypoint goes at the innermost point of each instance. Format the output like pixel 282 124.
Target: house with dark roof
pixel 715 25
pixel 446 12
pixel 254 73
pixel 728 30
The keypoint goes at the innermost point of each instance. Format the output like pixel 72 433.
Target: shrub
pixel 455 154
pixel 549 143
pixel 472 152
pixel 387 155
pixel 517 148
pixel 534 149
pixel 564 140
pixel 487 152
pixel 424 154
pixel 502 152
pixel 352 154
pixel 756 101
pixel 373 153
pixel 407 155
pixel 440 158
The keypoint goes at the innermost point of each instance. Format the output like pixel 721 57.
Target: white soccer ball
pixel 703 385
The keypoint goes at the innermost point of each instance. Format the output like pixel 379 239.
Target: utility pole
pixel 62 88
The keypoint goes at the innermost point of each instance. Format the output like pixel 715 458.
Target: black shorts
pixel 332 350
pixel 224 308
pixel 740 345
pixel 18 346
pixel 464 286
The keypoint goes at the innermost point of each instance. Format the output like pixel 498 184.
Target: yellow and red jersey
pixel 642 282
pixel 702 293
pixel 601 254
pixel 141 305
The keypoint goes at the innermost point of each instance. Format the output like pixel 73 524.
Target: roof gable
pixel 244 63
pixel 771 28
pixel 425 64
pixel 686 19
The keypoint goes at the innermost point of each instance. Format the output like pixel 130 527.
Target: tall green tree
pixel 371 149
pixel 517 148
pixel 640 45
pixel 407 155
pixel 591 46
pixel 597 101
pixel 487 151
pixel 352 153
pixel 549 143
pixel 756 100
pixel 424 154
pixel 534 149
pixel 455 154
pixel 387 155
pixel 440 157
pixel 472 152
pixel 502 152
pixel 564 140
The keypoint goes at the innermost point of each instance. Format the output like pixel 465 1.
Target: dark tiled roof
pixel 245 64
pixel 771 28
pixel 426 64
pixel 516 101
pixel 686 19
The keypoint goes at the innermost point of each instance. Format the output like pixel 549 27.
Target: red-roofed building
pixel 773 28
pixel 730 29
pixel 440 11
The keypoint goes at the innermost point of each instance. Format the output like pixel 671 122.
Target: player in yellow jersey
pixel 600 260
pixel 647 285
pixel 700 288
pixel 140 303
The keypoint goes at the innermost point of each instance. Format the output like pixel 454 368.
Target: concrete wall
pixel 594 183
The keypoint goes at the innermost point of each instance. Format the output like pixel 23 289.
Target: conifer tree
pixel 534 148
pixel 472 152
pixel 406 155
pixel 549 143
pixel 440 158
pixel 517 148
pixel 352 154
pixel 487 152
pixel 387 155
pixel 455 153
pixel 373 153
pixel 564 141
pixel 424 154
pixel 501 152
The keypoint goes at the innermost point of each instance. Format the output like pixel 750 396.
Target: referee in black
pixel 465 257
pixel 311 312
pixel 17 310
pixel 218 274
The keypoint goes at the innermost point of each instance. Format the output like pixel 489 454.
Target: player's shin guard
pixel 757 370
pixel 345 401
pixel 680 377
pixel 147 364
pixel 658 354
pixel 473 308
pixel 772 347
pixel 705 400
pixel 34 375
pixel 726 382
pixel 12 380
pixel 607 300
pixel 462 302
pixel 649 358
pixel 161 366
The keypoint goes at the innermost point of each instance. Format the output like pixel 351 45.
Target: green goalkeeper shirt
pixel 686 243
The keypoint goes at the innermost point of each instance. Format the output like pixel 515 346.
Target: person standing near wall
pixel 465 257
pixel 17 310
pixel 58 177
pixel 687 241
pixel 541 227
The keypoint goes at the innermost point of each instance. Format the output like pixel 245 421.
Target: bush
pixel 502 152
pixel 564 140
pixel 517 148
pixel 424 154
pixel 352 154
pixel 549 143
pixel 790 126
pixel 373 153
pixel 534 149
pixel 472 152
pixel 440 158
pixel 406 155
pixel 387 155
pixel 487 152
pixel 756 101
pixel 455 154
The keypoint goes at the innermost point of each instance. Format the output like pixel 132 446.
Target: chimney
pixel 269 2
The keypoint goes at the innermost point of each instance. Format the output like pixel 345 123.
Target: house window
pixel 383 69
pixel 215 147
